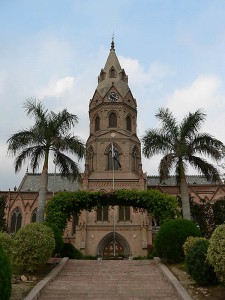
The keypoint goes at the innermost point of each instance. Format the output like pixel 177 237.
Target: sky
pixel 173 52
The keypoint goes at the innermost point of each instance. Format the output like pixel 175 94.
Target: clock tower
pixel 113 158
pixel 113 162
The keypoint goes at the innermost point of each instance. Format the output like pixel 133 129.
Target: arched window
pixel 97 123
pixel 102 213
pixel 16 220
pixel 134 159
pixel 34 216
pixel 90 156
pixel 112 73
pixel 113 159
pixel 112 120
pixel 124 213
pixel 128 123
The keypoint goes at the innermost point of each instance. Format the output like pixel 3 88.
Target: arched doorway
pixel 113 244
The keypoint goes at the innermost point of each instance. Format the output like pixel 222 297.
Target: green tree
pixel 181 143
pixel 50 133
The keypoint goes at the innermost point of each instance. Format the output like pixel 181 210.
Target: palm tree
pixel 180 143
pixel 50 133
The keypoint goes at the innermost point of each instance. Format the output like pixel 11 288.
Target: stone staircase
pixel 110 280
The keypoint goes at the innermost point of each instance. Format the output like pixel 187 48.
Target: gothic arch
pixel 16 220
pixel 135 158
pixel 34 216
pixel 112 117
pixel 109 157
pixel 112 73
pixel 97 123
pixel 110 238
pixel 128 121
pixel 90 158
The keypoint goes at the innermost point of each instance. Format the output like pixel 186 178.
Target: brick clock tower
pixel 113 162
pixel 113 125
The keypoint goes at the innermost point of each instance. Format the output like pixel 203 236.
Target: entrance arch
pixel 106 245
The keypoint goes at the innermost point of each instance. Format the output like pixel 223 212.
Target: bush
pixel 7 243
pixel 171 237
pixel 34 244
pixel 216 252
pixel 70 251
pixel 197 264
pixel 5 276
pixel 57 236
pixel 190 241
pixel 89 257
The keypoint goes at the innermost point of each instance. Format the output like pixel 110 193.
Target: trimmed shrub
pixel 197 264
pixel 70 251
pixel 7 242
pixel 34 244
pixel 89 257
pixel 57 236
pixel 216 252
pixel 190 241
pixel 5 276
pixel 171 237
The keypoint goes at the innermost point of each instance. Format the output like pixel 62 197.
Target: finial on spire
pixel 112 43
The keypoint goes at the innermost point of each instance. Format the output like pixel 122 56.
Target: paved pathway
pixel 110 280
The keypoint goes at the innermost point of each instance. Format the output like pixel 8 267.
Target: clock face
pixel 113 96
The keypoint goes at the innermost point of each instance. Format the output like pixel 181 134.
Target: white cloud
pixel 138 75
pixel 204 92
pixel 57 88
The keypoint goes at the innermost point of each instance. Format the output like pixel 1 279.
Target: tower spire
pixel 112 43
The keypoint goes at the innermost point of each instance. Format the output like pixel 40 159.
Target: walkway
pixel 110 280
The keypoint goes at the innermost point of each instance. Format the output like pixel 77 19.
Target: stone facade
pixel 113 123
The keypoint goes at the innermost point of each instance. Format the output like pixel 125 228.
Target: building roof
pixel 31 182
pixel 191 180
pixel 121 85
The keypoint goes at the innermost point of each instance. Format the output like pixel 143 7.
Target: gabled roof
pixel 191 180
pixel 31 182
pixel 120 84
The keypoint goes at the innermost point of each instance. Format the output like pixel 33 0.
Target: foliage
pixel 202 214
pixel 2 212
pixel 219 211
pixel 190 241
pixel 7 242
pixel 180 143
pixel 58 236
pixel 89 257
pixel 216 252
pixel 197 264
pixel 171 237
pixel 34 244
pixel 5 276
pixel 68 250
pixel 64 205
pixel 49 134
pixel 140 257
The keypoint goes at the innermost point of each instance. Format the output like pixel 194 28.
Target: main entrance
pixel 113 248
pixel 113 245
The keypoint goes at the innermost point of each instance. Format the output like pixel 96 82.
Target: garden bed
pixel 214 292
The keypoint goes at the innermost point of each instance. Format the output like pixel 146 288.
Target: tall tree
pixel 50 133
pixel 180 143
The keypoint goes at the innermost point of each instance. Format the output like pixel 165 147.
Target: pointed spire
pixel 112 43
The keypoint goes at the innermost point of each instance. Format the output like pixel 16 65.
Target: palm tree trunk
pixel 184 194
pixel 42 191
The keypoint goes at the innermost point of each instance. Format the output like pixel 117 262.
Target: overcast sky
pixel 172 50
